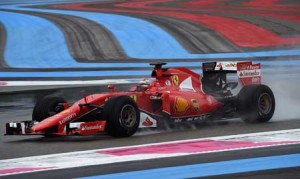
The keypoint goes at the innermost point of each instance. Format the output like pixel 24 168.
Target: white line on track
pixel 149 151
pixel 69 82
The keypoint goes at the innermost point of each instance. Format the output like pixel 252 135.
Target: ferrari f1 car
pixel 174 95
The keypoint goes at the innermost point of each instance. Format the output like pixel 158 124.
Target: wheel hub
pixel 264 103
pixel 128 116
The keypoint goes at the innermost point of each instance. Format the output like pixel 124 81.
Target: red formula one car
pixel 174 95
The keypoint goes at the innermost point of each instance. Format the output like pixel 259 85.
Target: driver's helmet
pixel 145 81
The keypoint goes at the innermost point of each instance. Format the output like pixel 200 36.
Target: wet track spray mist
pixel 286 88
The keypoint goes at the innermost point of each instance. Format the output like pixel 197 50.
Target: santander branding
pixel 91 127
pixel 247 73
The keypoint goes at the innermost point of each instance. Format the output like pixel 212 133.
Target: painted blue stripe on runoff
pixel 33 42
pixel 40 2
pixel 139 38
pixel 211 169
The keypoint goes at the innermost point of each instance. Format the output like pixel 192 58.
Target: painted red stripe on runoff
pixel 189 147
pixel 263 8
pixel 143 4
pixel 264 5
pixel 22 170
pixel 267 3
pixel 207 6
pixel 294 18
pixel 205 3
pixel 3 83
pixel 241 33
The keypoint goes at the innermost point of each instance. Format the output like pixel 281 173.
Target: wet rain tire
pixel 256 103
pixel 114 109
pixel 46 107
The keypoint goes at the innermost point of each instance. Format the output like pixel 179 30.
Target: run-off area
pixel 165 150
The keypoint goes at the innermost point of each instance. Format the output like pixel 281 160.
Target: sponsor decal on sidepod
pixel 68 118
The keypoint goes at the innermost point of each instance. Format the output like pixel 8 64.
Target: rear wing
pixel 247 73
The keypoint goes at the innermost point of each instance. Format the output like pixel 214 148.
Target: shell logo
pixel 181 105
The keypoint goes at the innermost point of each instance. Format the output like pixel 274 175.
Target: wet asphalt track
pixel 23 146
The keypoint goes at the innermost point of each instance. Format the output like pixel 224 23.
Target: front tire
pixel 256 103
pixel 122 116
pixel 46 107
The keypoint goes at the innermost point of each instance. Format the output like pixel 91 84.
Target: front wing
pixel 76 128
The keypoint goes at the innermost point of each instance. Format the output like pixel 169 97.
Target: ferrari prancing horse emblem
pixel 175 79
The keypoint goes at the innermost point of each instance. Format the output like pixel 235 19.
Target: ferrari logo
pixel 175 79
pixel 133 96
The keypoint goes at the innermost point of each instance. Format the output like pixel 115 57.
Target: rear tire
pixel 256 103
pixel 46 107
pixel 122 116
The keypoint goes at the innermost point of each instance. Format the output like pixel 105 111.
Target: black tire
pixel 116 125
pixel 256 103
pixel 46 107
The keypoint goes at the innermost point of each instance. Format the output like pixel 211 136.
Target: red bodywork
pixel 175 94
